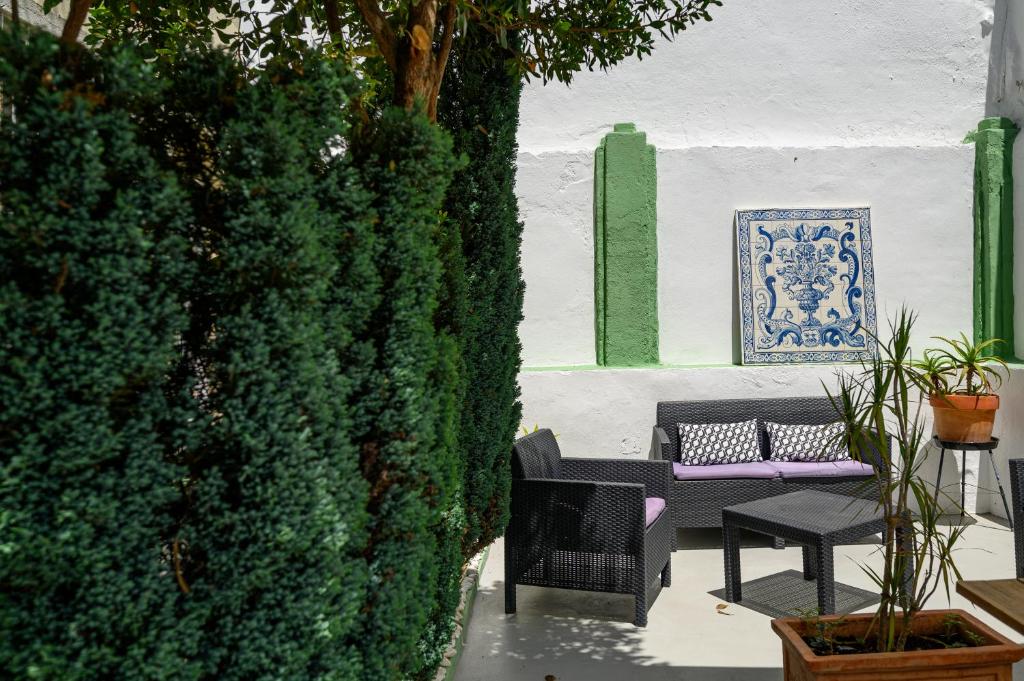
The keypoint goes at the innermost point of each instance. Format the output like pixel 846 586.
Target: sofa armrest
pixel 655 476
pixel 577 515
pixel 870 455
pixel 660 445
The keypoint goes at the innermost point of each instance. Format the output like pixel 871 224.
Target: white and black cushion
pixel 797 442
pixel 703 444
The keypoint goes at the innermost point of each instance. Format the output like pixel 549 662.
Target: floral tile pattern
pixel 807 289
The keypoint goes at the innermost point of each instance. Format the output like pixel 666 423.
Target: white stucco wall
pixel 795 103
pixel 869 107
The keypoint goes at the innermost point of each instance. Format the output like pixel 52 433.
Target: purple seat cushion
pixel 725 471
pixel 653 506
pixel 820 469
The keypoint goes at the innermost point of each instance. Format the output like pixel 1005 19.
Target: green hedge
pixel 237 372
pixel 480 107
pixel 406 411
pixel 276 524
pixel 92 266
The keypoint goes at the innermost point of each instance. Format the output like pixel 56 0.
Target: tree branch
pixel 76 19
pixel 333 18
pixel 381 30
pixel 441 63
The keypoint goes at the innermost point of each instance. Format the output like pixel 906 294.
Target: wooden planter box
pixel 992 662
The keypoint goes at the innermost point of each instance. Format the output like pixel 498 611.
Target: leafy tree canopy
pixel 411 39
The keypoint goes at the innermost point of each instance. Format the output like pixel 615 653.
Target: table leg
pixel 731 551
pixel 938 478
pixel 810 570
pixel 1006 507
pixel 826 578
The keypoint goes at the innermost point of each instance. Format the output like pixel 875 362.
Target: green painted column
pixel 626 249
pixel 993 232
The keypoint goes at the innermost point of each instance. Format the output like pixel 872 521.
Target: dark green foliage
pixel 275 528
pixel 449 376
pixel 480 106
pixel 405 409
pixel 92 257
pixel 231 375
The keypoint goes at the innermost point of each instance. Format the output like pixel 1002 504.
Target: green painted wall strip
pixel 599 252
pixel 626 249
pixel 993 232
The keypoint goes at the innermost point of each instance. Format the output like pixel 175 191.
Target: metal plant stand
pixel 963 448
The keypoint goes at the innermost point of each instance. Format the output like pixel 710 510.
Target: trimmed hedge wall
pixel 405 412
pixel 480 107
pixel 276 524
pixel 231 376
pixel 93 264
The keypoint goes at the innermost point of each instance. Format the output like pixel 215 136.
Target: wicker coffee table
pixel 815 520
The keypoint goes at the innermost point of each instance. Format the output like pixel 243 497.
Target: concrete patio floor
pixel 581 636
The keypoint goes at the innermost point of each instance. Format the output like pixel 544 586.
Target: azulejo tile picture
pixel 806 285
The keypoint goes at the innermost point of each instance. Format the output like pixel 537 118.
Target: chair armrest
pixel 660 445
pixel 655 476
pixel 577 515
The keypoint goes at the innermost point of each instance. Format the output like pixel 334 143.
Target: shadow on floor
pixel 788 594
pixel 561 635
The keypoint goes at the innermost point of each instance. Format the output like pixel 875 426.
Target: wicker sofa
pixel 699 493
pixel 587 524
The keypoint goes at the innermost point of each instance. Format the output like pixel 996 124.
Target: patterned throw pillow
pixel 807 443
pixel 703 444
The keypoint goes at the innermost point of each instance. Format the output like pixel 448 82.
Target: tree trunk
pixel 414 81
pixel 416 69
pixel 77 14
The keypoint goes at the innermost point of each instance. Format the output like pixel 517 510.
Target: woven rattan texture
pixel 585 530
pixel 816 520
pixel 1017 509
pixel 799 410
pixel 699 503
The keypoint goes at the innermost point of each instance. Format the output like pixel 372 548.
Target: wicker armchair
pixel 1017 494
pixel 583 524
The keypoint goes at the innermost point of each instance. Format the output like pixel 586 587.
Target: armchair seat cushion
pixel 725 471
pixel 653 506
pixel 820 469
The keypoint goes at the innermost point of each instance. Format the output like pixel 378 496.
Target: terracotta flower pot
pixel 964 418
pixel 993 660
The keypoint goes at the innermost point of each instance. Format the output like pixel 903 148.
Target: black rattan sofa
pixel 699 502
pixel 588 524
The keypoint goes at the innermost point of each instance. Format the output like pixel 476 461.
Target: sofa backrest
pixel 802 410
pixel 537 456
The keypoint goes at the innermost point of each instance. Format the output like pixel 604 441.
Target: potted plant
pixel 881 406
pixel 961 378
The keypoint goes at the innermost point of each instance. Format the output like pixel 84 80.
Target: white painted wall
pixel 793 103
pixel 796 103
pixel 1006 98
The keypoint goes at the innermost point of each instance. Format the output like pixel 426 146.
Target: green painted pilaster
pixel 626 249
pixel 993 232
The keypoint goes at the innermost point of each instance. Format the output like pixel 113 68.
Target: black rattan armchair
pixel 1017 494
pixel 588 524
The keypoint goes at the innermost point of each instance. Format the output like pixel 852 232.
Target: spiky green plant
pixel 976 370
pixel 881 405
pixel 935 369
